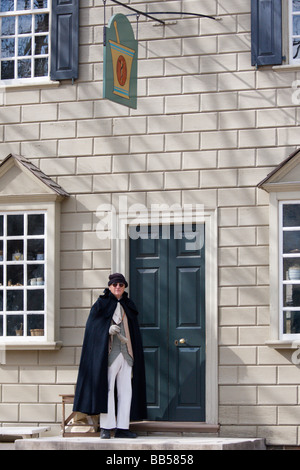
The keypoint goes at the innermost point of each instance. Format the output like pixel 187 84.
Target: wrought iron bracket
pixel 151 14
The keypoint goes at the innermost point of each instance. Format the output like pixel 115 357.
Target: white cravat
pixel 117 316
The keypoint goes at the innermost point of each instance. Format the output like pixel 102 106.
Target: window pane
pixel 291 269
pixel 291 322
pixel 1 226
pixel 35 299
pixel 296 48
pixel 15 275
pixel 42 23
pixel 15 225
pixel 291 295
pixel 41 45
pixel 8 26
pixel 291 242
pixel 1 300
pixel 35 325
pixel 15 300
pixel 296 5
pixel 1 325
pixel 15 251
pixel 24 68
pixel 7 5
pixel 296 25
pixel 35 250
pixel 8 47
pixel 35 274
pixel 23 4
pixel 24 46
pixel 36 224
pixel 7 69
pixel 291 215
pixel 15 325
pixel 41 67
pixel 25 24
pixel 40 4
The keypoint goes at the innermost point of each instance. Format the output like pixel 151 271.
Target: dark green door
pixel 167 282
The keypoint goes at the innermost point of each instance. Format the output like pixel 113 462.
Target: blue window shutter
pixel 64 39
pixel 266 31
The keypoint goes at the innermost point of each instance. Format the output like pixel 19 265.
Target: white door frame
pixel 120 263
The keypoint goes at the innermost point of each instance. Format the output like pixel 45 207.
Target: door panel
pixel 168 285
pixel 148 280
pixel 187 280
pixel 152 375
pixel 186 322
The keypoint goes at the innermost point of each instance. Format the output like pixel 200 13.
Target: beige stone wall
pixel 208 128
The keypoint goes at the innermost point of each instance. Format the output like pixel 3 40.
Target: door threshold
pixel 174 426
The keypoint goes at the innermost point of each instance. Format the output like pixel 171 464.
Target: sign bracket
pixel 137 11
pixel 150 15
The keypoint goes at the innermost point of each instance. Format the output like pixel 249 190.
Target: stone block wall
pixel 208 128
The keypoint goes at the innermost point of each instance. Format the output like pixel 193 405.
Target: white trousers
pixel 119 371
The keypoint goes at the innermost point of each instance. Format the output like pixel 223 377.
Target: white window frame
pixel 50 340
pixel 291 14
pixel 277 339
pixel 30 80
pixel 289 64
pixel 282 279
pixel 5 288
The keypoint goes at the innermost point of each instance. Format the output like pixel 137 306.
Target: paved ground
pixel 141 443
pixel 7 446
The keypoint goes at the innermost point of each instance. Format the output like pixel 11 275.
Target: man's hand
pixel 114 330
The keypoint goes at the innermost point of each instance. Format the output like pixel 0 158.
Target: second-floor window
pixel 24 35
pixel 294 28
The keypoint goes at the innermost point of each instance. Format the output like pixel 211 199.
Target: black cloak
pixel 92 383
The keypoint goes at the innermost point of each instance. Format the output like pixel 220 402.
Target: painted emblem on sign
pixel 121 70
pixel 120 62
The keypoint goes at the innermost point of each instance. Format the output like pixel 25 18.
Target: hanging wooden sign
pixel 120 62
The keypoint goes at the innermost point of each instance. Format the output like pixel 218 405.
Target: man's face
pixel 117 288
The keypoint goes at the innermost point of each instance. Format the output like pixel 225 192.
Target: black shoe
pixel 125 433
pixel 105 433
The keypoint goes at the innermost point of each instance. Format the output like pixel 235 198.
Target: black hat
pixel 117 277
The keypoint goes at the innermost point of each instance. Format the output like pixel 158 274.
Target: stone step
pixel 24 431
pixel 141 443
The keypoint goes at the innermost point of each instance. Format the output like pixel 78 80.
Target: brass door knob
pixel 180 341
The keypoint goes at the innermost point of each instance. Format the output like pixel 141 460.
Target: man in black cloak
pixel 112 352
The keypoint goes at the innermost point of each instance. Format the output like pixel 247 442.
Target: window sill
pixel 286 68
pixel 284 344
pixel 31 346
pixel 16 85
